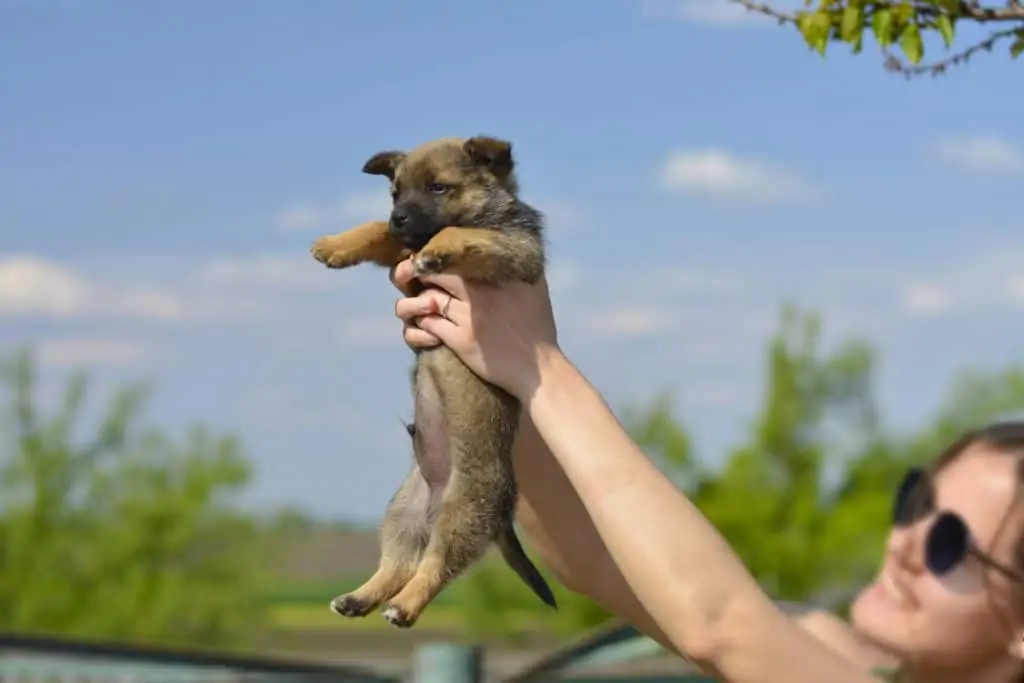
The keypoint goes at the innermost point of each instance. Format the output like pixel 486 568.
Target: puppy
pixel 456 207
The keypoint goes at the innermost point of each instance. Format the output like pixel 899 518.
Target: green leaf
pixel 1018 45
pixel 911 44
pixel 882 25
pixel 945 25
pixel 852 23
pixel 905 12
pixel 815 28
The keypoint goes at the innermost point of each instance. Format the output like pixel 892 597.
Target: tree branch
pixel 967 9
pixel 895 65
pixel 922 16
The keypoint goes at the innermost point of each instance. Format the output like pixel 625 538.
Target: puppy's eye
pixel 437 188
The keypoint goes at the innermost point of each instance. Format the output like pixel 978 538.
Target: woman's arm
pixel 681 569
pixel 558 528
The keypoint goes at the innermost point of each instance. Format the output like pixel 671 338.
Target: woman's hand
pixel 502 333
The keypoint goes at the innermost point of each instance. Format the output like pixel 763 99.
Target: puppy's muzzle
pixel 411 227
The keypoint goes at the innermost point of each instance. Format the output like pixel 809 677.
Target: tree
pixel 906 24
pixel 129 535
pixel 806 501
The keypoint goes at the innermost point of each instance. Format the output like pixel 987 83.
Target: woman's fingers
pixel 418 338
pixel 450 283
pixel 432 302
pixel 445 330
pixel 402 277
pixel 410 308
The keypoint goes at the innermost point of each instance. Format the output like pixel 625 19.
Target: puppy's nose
pixel 399 217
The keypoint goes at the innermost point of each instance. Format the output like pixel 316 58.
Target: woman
pixel 948 601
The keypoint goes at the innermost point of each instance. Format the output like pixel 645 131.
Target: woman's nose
pixel 905 547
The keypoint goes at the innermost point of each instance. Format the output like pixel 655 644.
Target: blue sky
pixel 164 167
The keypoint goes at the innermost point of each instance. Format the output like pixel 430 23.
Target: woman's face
pixel 963 617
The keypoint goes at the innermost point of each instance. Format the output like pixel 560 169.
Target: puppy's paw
pixel 395 616
pixel 331 252
pixel 431 262
pixel 350 606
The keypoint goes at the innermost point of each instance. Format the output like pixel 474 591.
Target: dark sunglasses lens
pixel 913 499
pixel 947 544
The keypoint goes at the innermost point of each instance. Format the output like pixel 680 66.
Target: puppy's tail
pixel 512 550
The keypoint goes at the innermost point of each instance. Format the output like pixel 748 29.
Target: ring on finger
pixel 444 309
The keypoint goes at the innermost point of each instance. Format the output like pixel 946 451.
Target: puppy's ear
pixel 384 163
pixel 491 153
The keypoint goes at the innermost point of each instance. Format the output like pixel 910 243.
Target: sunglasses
pixel 949 541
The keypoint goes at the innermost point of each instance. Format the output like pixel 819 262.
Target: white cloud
pixel 365 206
pixel 723 176
pixel 338 215
pixel 29 285
pixel 630 321
pixel 276 271
pixel 718 13
pixel 980 154
pixel 561 216
pixel 152 303
pixel 299 218
pixel 369 331
pixel 1015 288
pixel 32 286
pixel 88 351
pixel 926 299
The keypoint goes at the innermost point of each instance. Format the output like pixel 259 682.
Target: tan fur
pixel 432 532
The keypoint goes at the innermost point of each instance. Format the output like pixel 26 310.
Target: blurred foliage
pixel 131 534
pixel 805 497
pixel 905 26
pixel 127 534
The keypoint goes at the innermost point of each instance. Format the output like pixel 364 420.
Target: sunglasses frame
pixel 908 488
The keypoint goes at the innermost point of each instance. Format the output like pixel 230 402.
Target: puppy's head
pixel 447 182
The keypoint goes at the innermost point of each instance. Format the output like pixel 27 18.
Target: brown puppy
pixel 456 207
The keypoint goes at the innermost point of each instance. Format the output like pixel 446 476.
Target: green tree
pixel 807 500
pixel 129 534
pixel 906 25
pixel 770 497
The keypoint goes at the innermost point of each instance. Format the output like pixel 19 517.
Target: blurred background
pixel 790 275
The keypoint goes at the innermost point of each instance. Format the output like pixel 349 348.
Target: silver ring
pixel 444 309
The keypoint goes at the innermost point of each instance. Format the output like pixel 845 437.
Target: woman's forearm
pixel 680 568
pixel 558 528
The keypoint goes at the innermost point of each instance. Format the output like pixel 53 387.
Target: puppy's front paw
pixel 331 252
pixel 430 262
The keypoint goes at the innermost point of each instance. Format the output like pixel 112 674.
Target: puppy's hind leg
pixel 462 532
pixel 404 535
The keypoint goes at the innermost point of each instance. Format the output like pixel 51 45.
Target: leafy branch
pixel 902 23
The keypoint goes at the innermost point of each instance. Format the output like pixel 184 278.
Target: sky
pixel 165 167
